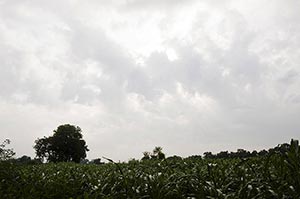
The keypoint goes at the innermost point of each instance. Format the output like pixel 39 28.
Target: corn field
pixel 273 176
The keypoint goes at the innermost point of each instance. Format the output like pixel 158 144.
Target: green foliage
pixel 26 160
pixel 242 153
pixel 66 145
pixel 274 176
pixel 6 154
pixel 157 154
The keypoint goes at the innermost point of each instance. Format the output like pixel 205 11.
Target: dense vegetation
pixel 276 175
pixel 65 145
pixel 6 154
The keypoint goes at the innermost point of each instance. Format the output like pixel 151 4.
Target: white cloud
pixel 187 75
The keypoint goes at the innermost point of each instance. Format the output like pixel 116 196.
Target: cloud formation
pixel 190 76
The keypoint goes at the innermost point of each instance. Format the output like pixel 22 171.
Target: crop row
pixel 275 176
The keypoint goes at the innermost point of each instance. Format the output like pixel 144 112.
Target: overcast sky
pixel 187 75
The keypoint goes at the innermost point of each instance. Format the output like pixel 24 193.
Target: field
pixel 272 176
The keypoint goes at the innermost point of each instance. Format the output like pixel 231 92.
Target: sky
pixel 188 75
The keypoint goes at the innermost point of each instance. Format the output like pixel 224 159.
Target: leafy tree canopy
pixel 156 154
pixel 6 154
pixel 65 145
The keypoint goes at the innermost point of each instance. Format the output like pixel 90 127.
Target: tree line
pixel 67 145
pixel 242 153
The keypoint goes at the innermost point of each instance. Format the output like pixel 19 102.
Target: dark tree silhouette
pixel 156 154
pixel 66 145
pixel 147 155
pixel 208 154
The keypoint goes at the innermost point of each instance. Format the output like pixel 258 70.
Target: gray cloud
pixel 188 76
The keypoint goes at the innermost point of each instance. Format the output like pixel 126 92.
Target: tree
pixel 6 154
pixel 222 154
pixel 96 161
pixel 146 155
pixel 156 154
pixel 66 145
pixel 242 153
pixel 208 155
pixel 26 160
